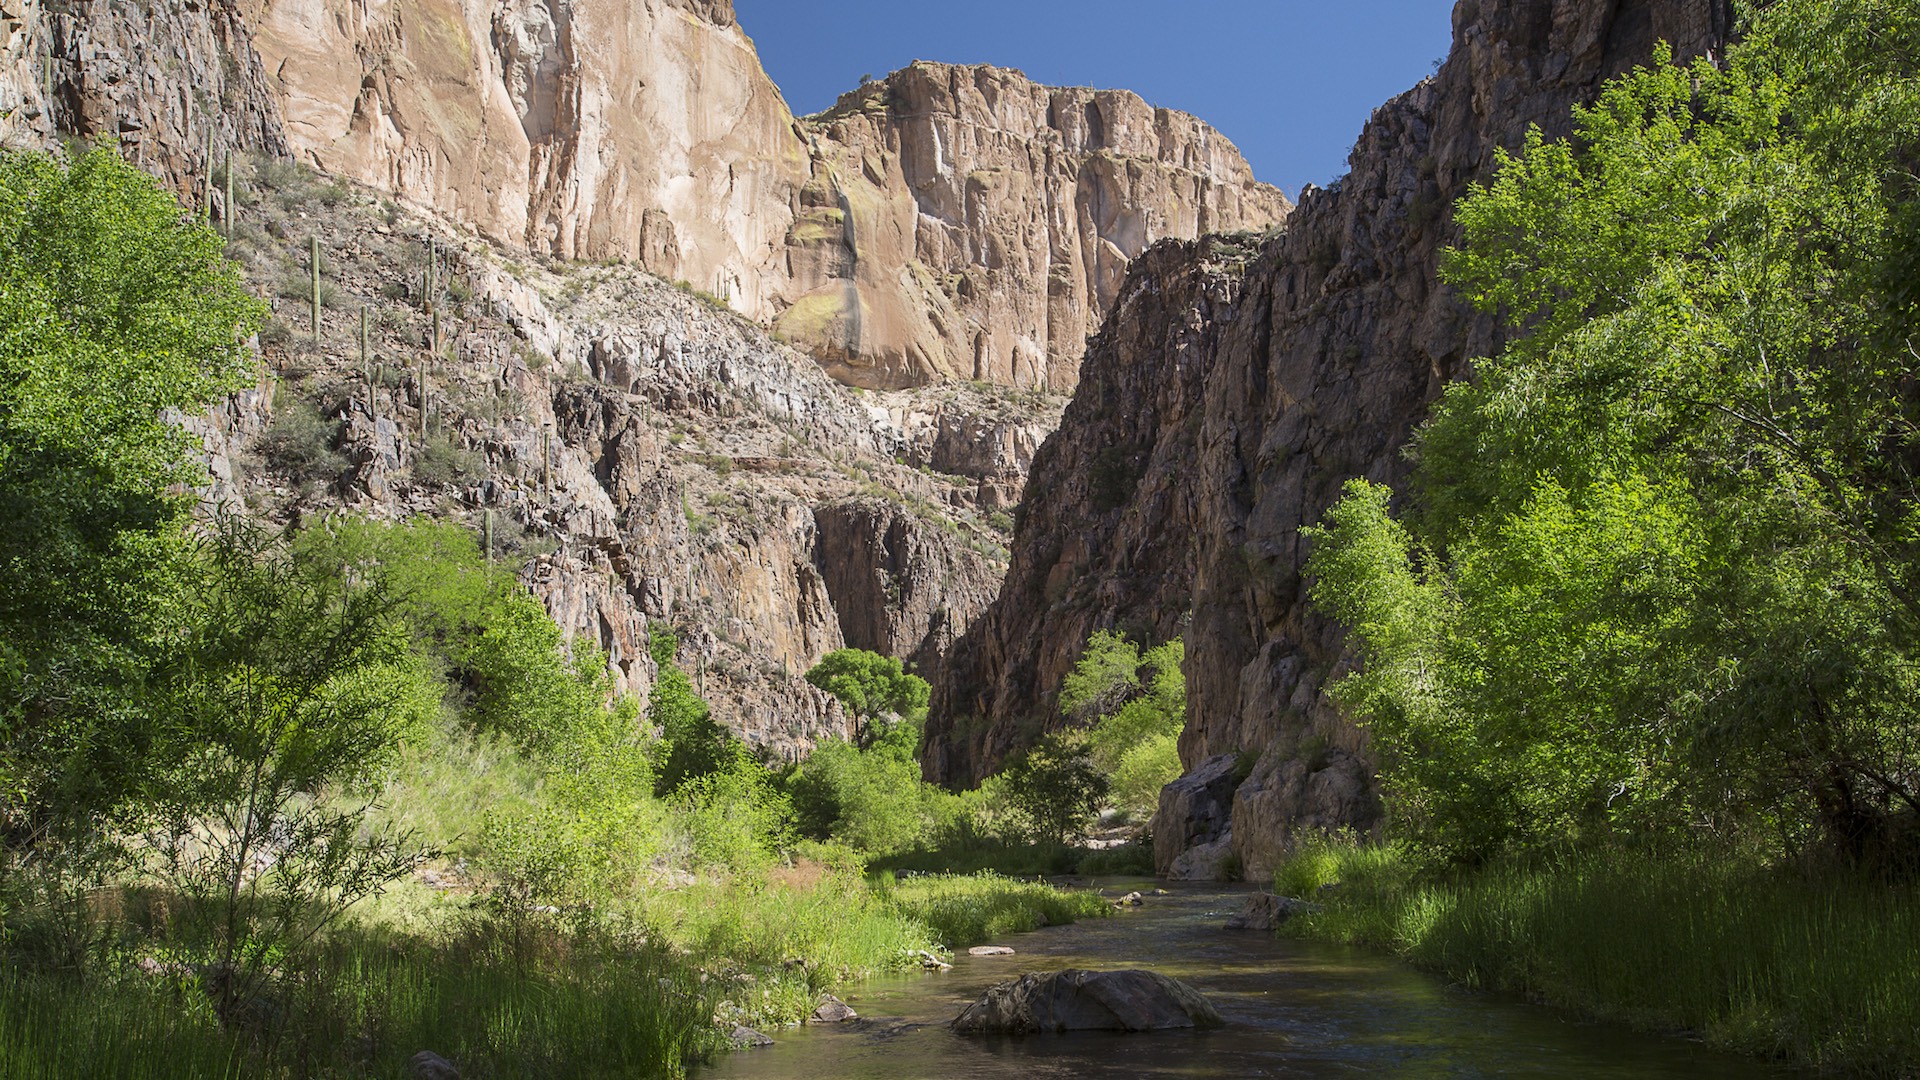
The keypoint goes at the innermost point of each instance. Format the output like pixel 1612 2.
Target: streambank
pixel 1292 1007
pixel 1774 962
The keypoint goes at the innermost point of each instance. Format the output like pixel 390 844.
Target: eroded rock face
pixel 1194 821
pixel 1106 535
pixel 1234 413
pixel 945 222
pixel 899 583
pixel 649 460
pixel 177 86
pixel 25 97
pixel 966 222
pixel 1061 1001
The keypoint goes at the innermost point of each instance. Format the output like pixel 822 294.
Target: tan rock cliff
pixel 966 222
pixel 1219 412
pixel 646 457
pixel 945 222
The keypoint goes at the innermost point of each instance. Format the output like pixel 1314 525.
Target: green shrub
pixel 300 442
pixel 446 463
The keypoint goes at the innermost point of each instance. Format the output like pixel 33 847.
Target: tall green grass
pixel 552 1003
pixel 1823 971
pixel 967 910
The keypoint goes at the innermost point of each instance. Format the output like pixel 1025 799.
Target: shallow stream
pixel 1293 1009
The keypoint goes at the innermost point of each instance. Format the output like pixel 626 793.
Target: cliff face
pixel 177 86
pixel 598 129
pixel 947 222
pixel 965 222
pixel 1255 403
pixel 646 457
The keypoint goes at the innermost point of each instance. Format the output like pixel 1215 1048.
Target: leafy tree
pixel 872 800
pixel 1657 566
pixel 875 688
pixel 1055 788
pixel 508 667
pixel 1135 723
pixel 287 693
pixel 117 312
pixel 1105 676
pixel 691 743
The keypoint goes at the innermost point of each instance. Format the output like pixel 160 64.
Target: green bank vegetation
pixel 306 802
pixel 1639 634
pixel 1123 713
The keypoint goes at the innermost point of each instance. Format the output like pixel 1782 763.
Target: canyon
pixel 840 428
pixel 1238 384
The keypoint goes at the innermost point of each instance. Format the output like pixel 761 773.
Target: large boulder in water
pixel 1087 1001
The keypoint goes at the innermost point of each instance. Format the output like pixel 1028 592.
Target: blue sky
pixel 1290 82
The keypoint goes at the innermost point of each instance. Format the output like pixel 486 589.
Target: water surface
pixel 1293 1009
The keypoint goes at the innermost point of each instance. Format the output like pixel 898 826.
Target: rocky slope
pixel 1221 409
pixel 946 222
pixel 645 456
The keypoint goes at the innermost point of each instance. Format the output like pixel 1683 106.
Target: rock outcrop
pixel 1061 1001
pixel 966 222
pixel 900 584
pixel 646 457
pixel 944 222
pixel 25 96
pixel 1221 410
pixel 176 86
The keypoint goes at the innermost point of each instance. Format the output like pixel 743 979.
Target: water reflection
pixel 1293 1009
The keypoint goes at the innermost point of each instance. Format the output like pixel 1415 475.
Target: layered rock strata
pixel 1222 410
pixel 966 222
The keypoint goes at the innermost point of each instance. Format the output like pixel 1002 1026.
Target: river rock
pixel 1266 911
pixel 1074 1000
pixel 427 1065
pixel 744 1037
pixel 832 1010
pixel 990 950
pixel 1132 899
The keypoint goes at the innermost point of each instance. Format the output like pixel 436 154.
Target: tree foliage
pixel 286 695
pixel 1657 567
pixel 117 312
pixel 889 704
pixel 1134 722
pixel 692 744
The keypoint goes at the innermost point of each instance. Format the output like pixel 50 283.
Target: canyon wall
pixel 966 222
pixel 945 222
pixel 645 457
pixel 1224 406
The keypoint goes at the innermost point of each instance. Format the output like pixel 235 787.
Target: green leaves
pixel 117 315
pixel 875 687
pixel 1698 443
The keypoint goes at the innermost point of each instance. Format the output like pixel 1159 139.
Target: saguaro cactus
pixel 313 258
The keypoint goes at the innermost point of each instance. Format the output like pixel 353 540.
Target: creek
pixel 1293 1009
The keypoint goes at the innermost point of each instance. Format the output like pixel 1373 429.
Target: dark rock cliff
pixel 1219 412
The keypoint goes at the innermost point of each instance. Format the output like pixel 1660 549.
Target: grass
pixel 1820 971
pixel 547 1001
pixel 967 910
